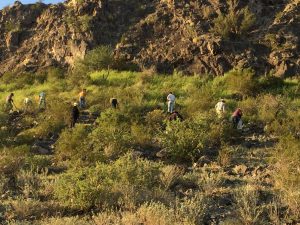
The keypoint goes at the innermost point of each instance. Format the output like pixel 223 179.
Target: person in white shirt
pixel 171 102
pixel 220 108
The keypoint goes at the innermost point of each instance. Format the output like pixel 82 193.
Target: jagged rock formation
pixel 165 35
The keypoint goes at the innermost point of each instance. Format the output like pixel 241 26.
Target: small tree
pixel 97 59
pixel 235 22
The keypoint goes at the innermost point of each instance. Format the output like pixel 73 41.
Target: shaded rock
pixel 41 150
pixel 162 154
pixel 12 39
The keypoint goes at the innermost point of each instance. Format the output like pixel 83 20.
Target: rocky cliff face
pixel 165 35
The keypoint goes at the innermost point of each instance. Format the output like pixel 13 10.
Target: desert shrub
pixel 37 162
pixel 235 22
pixel 200 99
pixel 225 156
pixel 184 140
pixel 109 184
pixel 111 138
pixel 286 158
pixel 18 80
pixel 271 83
pixel 55 118
pixel 250 108
pixel 141 135
pixel 170 174
pixel 75 220
pixel 241 81
pixel 207 180
pixel 188 140
pixel 28 182
pixel 269 108
pixel 97 59
pixel 71 143
pixel 3 184
pixel 12 159
pixel 154 120
pixel 248 207
pixel 25 209
pixel 55 73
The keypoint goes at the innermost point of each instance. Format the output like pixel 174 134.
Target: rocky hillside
pixel 194 36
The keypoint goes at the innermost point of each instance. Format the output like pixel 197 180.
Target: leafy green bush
pixel 54 73
pixel 13 159
pixel 241 81
pixel 55 118
pixel 18 80
pixel 188 140
pixel 108 184
pixel 72 143
pixel 97 59
pixel 234 23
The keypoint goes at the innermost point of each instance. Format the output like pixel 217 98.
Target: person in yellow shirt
pixel 82 99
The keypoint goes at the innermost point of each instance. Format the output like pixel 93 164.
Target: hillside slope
pixel 164 35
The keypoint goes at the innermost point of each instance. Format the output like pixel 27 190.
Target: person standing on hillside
pixel 171 102
pixel 220 108
pixel 236 118
pixel 74 115
pixel 42 100
pixel 82 99
pixel 114 103
pixel 9 102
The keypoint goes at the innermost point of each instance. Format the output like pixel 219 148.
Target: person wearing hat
pixel 9 102
pixel 74 115
pixel 220 108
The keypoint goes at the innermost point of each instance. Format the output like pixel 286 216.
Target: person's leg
pixel 169 106
pixel 83 102
pixel 80 103
pixel 172 106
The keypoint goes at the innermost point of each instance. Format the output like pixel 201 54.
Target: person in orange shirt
pixel 82 99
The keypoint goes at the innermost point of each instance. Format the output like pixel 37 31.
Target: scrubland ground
pixel 130 166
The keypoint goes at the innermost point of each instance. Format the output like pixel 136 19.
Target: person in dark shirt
pixel 114 103
pixel 175 116
pixel 74 115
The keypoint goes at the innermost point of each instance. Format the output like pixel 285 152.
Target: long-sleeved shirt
pixel 220 106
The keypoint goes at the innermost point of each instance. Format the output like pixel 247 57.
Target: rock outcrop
pixel 166 35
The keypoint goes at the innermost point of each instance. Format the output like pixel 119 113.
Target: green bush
pixel 97 59
pixel 55 118
pixel 55 73
pixel 234 23
pixel 72 143
pixel 242 81
pixel 110 185
pixel 188 140
pixel 13 159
